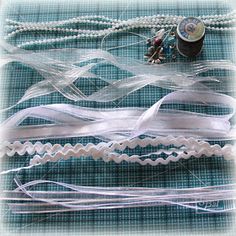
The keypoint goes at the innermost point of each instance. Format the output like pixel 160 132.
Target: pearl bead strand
pixel 223 22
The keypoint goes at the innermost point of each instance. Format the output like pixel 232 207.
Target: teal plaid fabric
pixel 17 78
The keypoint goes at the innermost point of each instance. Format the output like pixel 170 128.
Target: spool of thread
pixel 190 34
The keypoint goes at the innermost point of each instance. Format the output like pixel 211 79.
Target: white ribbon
pixel 78 198
pixel 72 121
pixel 61 68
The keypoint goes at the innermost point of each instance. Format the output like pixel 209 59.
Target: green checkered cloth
pixel 186 173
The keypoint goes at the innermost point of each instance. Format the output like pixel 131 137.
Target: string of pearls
pixel 225 22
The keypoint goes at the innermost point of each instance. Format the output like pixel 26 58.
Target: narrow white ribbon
pixel 78 198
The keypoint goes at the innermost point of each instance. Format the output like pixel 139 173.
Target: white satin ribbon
pixel 72 121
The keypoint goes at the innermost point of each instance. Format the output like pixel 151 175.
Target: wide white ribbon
pixel 72 121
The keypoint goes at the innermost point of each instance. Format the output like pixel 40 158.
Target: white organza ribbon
pixel 61 67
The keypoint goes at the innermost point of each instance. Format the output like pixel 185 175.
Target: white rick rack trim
pixel 182 148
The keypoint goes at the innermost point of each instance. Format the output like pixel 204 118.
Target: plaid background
pixel 16 78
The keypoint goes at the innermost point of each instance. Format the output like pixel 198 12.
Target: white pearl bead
pixel 160 21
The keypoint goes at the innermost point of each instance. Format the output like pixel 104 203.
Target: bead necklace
pixel 223 22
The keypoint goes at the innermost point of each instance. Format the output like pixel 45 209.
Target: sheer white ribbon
pixel 60 68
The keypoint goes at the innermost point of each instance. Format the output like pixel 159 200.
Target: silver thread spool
pixel 190 34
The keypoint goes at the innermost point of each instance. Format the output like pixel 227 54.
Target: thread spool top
pixel 191 29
